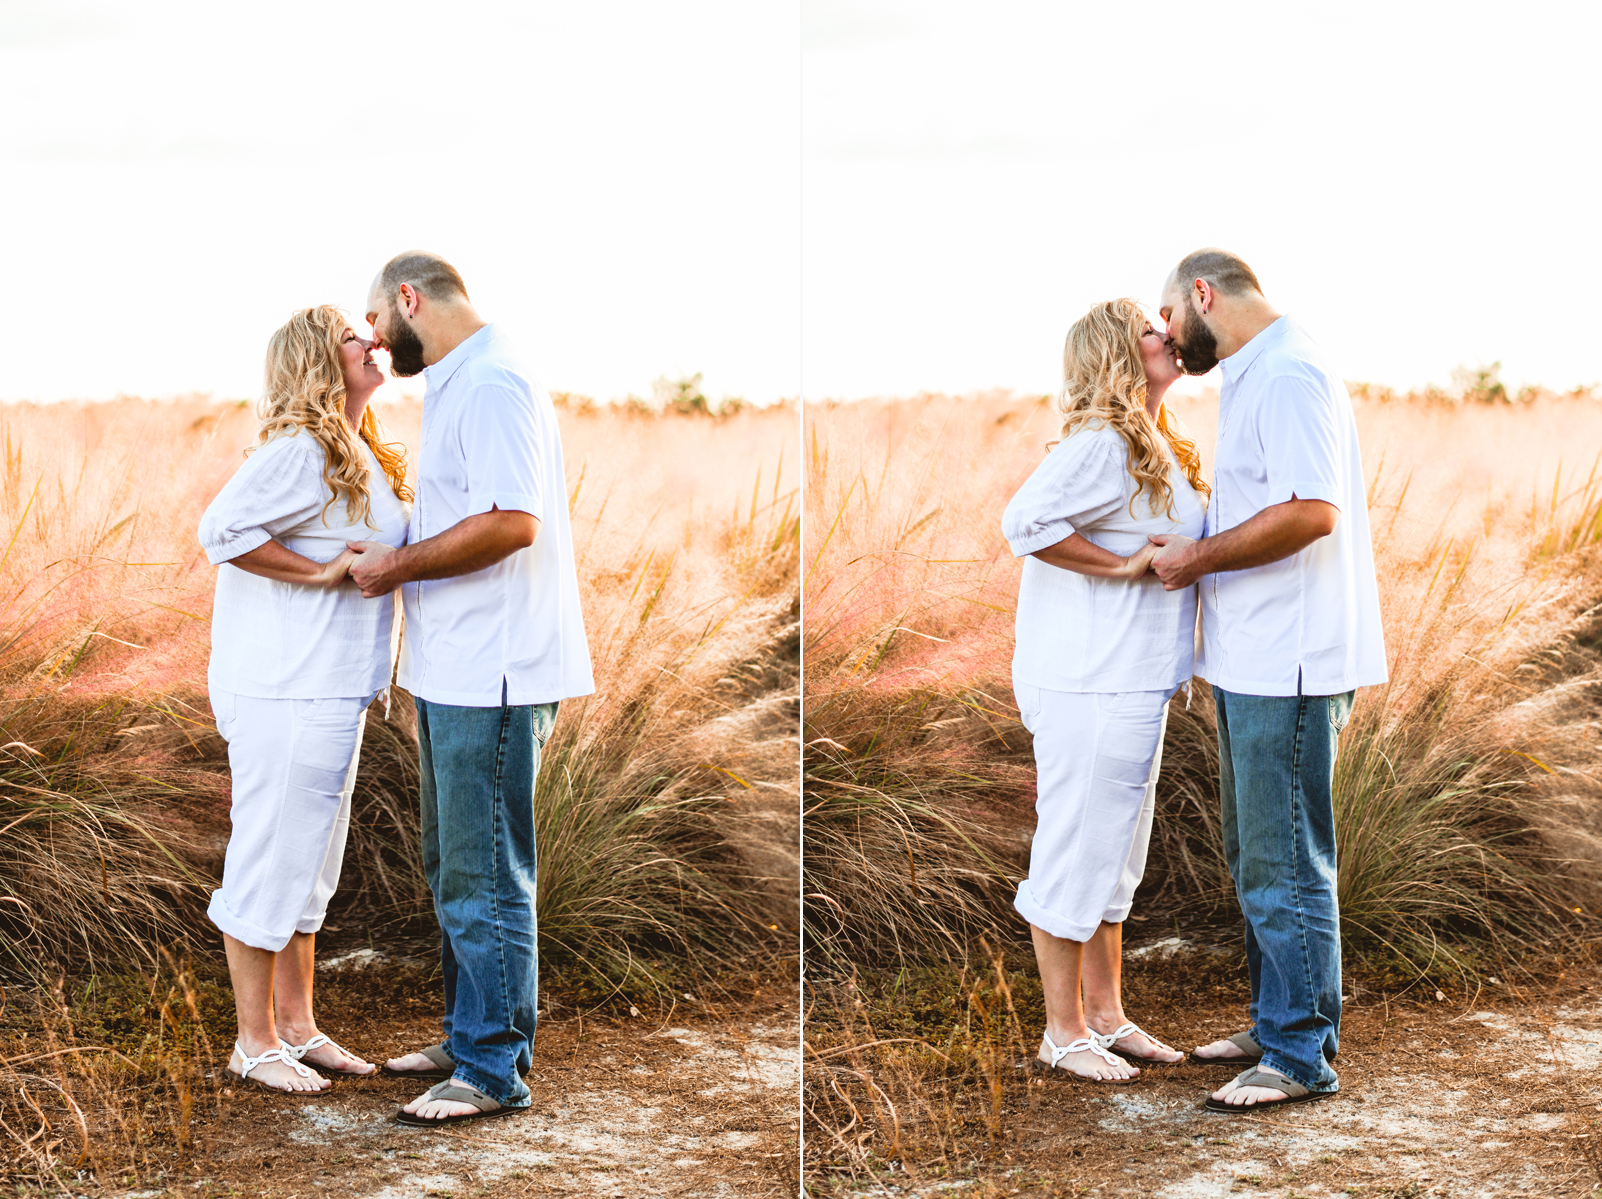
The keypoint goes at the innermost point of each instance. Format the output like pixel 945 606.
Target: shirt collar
pixel 436 376
pixel 1241 360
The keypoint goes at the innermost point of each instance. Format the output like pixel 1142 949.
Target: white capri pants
pixel 293 763
pixel 1096 762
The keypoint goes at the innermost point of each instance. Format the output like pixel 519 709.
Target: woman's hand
pixel 1138 564
pixel 334 573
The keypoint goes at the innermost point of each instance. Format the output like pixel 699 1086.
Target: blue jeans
pixel 1276 766
pixel 478 768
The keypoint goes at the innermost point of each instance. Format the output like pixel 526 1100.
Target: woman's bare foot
pixel 1087 1063
pixel 329 1056
pixel 280 1076
pixel 1139 1045
pixel 1239 1096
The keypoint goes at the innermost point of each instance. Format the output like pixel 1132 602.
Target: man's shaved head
pixel 429 274
pixel 1224 273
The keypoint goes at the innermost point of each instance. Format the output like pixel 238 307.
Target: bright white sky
pixel 1416 182
pixel 617 180
pixel 630 189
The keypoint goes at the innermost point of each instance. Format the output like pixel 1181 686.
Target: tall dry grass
pixel 113 787
pixel 687 531
pixel 1466 790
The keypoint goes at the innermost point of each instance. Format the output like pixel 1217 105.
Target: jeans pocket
pixel 1340 710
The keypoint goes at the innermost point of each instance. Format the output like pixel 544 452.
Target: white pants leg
pixel 293 763
pixel 1096 761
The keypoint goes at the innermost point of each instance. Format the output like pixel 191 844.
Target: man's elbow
pixel 521 533
pixel 516 530
pixel 1319 518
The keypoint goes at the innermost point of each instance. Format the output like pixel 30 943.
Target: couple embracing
pixel 313 536
pixel 1122 539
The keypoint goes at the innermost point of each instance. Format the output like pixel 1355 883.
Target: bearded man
pixel 494 640
pixel 1290 628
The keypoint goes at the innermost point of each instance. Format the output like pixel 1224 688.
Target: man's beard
pixel 404 346
pixel 1198 348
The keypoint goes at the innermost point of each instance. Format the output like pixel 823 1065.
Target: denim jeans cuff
pixel 493 1087
pixel 1296 1076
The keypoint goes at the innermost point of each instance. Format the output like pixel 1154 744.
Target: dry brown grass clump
pixel 79 1103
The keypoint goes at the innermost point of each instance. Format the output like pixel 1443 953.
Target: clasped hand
pixel 1166 555
pixel 1173 560
pixel 369 567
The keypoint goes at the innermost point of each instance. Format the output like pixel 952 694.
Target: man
pixel 494 640
pixel 1290 628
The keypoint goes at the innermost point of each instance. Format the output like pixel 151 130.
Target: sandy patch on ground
pixel 1494 1098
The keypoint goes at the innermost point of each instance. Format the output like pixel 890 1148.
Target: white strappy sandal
pixel 248 1063
pixel 299 1051
pixel 1090 1044
pixel 1108 1039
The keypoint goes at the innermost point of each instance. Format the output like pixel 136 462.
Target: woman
pixel 297 655
pixel 1101 647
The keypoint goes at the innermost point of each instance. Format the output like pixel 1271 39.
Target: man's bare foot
pixel 438 1109
pixel 1139 1045
pixel 1222 1051
pixel 1087 1063
pixel 280 1076
pixel 1239 1096
pixel 412 1063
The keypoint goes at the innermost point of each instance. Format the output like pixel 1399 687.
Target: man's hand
pixel 371 566
pixel 1176 562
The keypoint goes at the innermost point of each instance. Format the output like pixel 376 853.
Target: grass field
pixel 1468 805
pixel 666 801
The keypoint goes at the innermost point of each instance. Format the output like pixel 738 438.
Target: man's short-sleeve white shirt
pixel 490 440
pixel 1312 620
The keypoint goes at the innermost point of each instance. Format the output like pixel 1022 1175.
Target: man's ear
pixel 408 299
pixel 1205 295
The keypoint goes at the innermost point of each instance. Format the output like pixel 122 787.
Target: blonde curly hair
pixel 304 388
pixel 1104 386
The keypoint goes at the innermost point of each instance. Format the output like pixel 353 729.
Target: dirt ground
pixel 1469 1095
pixel 702 1103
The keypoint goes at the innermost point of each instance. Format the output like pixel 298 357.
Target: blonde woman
pixel 1101 647
pixel 297 655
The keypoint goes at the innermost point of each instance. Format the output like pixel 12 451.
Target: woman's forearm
pixel 1085 557
pixel 273 560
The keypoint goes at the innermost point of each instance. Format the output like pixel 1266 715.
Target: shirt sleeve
pixel 1299 427
pixel 1083 480
pixel 277 488
pixel 502 444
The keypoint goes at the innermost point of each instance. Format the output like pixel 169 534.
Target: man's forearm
pixel 467 546
pixel 1274 533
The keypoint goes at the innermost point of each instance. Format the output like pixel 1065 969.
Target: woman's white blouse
pixel 1078 633
pixel 278 640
